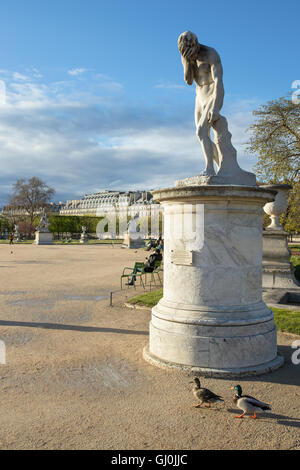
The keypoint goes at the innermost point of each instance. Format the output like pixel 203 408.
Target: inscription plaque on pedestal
pixel 182 257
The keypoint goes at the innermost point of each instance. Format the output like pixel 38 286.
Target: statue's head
pixel 188 45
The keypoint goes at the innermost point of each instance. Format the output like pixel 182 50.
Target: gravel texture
pixel 75 377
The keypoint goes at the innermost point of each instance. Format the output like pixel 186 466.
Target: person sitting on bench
pixel 148 266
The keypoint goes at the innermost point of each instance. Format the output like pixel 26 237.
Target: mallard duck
pixel 248 404
pixel 203 394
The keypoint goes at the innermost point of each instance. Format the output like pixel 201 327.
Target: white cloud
pixel 80 137
pixel 78 71
pixel 169 85
pixel 20 77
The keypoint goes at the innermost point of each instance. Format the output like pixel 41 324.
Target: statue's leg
pixel 203 134
pixel 217 158
pixel 226 151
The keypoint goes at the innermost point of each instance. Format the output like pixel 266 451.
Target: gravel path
pixel 75 377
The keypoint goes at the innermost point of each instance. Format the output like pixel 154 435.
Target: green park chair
pixel 158 268
pixel 133 272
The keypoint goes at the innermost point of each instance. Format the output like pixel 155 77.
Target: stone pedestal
pixel 211 319
pixel 17 237
pixel 43 238
pixel 278 271
pixel 84 238
pixel 133 241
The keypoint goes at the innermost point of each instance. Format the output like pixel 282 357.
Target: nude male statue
pixel 202 64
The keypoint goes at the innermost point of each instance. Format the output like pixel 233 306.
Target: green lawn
pixel 296 262
pixel 149 299
pixel 6 242
pixel 90 242
pixel 73 242
pixel 287 320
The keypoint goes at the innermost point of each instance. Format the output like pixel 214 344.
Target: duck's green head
pixel 238 390
pixel 196 380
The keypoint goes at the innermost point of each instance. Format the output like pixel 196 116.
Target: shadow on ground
pixel 288 374
pixel 281 419
pixel 58 326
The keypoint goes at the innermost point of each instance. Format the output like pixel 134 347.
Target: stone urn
pixel 278 271
pixel 84 236
pixel 278 206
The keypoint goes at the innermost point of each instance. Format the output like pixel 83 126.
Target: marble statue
pixel 16 233
pixel 84 236
pixel 202 65
pixel 132 238
pixel 43 224
pixel 43 236
pixel 212 319
pixel 132 225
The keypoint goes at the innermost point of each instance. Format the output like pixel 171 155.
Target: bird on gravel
pixel 248 404
pixel 204 395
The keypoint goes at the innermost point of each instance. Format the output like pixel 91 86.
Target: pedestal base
pixel 43 238
pixel 278 272
pixel 211 318
pixel 242 178
pixel 217 373
pixel 235 340
pixel 133 243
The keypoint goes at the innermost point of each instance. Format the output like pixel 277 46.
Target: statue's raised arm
pixel 202 65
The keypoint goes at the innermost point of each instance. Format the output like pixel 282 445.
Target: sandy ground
pixel 75 377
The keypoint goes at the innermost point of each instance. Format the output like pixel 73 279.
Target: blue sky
pixel 94 90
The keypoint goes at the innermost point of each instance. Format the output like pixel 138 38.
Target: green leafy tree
pixel 72 224
pixel 291 218
pixel 275 140
pixel 5 224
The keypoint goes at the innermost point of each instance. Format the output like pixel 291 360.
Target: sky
pixel 92 94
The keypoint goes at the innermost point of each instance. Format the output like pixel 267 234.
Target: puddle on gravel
pixel 95 298
pixel 17 338
pixel 46 303
pixel 33 262
pixel 50 302
pixel 16 292
pixel 115 377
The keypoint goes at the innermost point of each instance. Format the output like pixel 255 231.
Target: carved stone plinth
pixel 133 241
pixel 278 271
pixel 43 238
pixel 84 236
pixel 211 319
pixel 240 178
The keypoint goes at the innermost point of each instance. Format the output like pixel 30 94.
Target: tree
pixel 31 196
pixel 291 218
pixel 5 224
pixel 276 141
pixel 61 224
